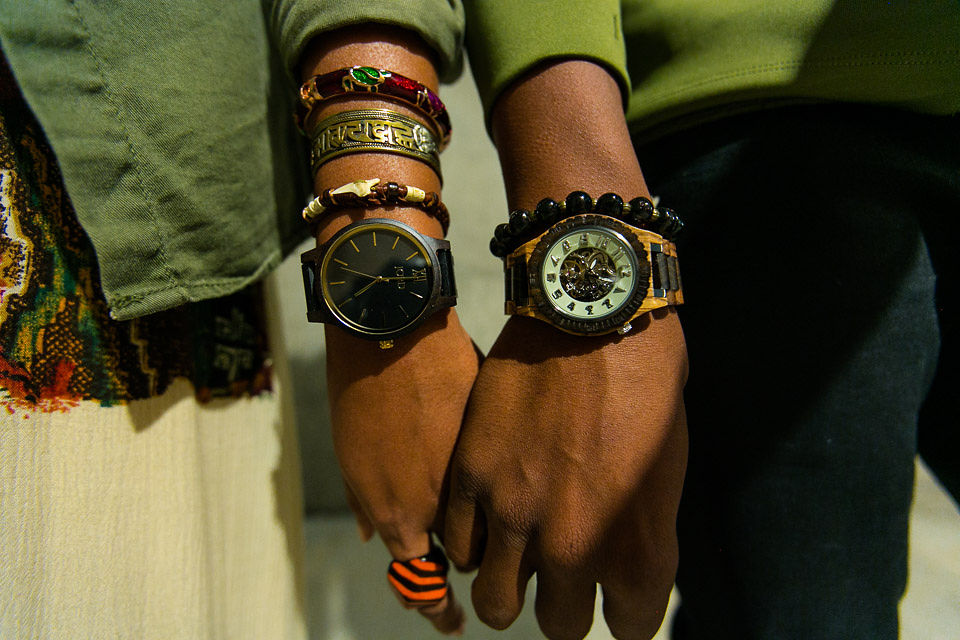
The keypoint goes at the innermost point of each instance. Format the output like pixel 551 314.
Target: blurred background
pixel 347 595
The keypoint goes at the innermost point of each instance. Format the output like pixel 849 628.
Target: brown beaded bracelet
pixel 374 192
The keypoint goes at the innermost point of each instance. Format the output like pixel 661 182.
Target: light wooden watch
pixel 592 274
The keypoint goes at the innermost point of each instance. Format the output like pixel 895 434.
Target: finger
pixel 564 604
pixel 421 583
pixel 446 616
pixel 501 583
pixel 636 589
pixel 633 614
pixel 404 545
pixel 464 525
pixel 364 526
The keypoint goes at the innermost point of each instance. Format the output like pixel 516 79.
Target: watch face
pixel 589 274
pixel 377 277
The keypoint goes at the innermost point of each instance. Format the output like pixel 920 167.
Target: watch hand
pixel 376 280
pixel 359 273
pixel 400 277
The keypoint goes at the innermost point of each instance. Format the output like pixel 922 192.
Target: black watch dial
pixel 589 274
pixel 377 277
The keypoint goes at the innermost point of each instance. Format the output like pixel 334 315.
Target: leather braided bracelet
pixel 360 79
pixel 525 225
pixel 374 192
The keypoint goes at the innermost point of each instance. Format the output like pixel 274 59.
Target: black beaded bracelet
pixel 525 225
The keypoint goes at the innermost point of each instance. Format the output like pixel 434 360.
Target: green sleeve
pixel 506 38
pixel 439 22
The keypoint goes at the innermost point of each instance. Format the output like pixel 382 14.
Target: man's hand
pixel 396 416
pixel 570 464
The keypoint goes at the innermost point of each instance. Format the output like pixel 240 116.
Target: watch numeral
pixel 404 311
pixel 555 260
pixel 603 243
pixel 337 282
pixel 625 272
pixel 551 277
pixel 584 239
pixel 374 238
pixel 616 255
pixel 395 241
pixel 619 289
pixel 354 245
pixel 565 245
pixel 411 255
pixel 557 294
pixel 420 275
pixel 607 304
pixel 589 309
pixel 337 260
pixel 363 314
pixel 572 306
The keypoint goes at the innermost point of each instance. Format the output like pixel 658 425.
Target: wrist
pixel 584 144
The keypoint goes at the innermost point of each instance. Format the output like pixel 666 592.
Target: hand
pixel 570 464
pixel 396 416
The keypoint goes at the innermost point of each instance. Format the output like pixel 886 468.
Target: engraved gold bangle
pixel 373 130
pixel 374 192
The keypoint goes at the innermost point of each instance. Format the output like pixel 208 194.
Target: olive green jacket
pixel 171 120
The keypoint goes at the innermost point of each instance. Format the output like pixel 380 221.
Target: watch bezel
pixel 605 324
pixel 425 244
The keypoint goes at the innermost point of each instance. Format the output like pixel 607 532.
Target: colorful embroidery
pixel 58 345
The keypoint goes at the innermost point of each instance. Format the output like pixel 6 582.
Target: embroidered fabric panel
pixel 58 345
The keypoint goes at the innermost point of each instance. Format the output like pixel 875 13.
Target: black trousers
pixel 819 265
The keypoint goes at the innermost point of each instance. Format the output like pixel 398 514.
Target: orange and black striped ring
pixel 422 581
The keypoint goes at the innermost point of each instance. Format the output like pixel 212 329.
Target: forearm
pixel 560 129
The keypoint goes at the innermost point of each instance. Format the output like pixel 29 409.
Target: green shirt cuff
pixel 506 38
pixel 438 22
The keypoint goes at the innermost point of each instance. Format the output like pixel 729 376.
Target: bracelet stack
pixel 374 130
pixel 373 193
pixel 525 225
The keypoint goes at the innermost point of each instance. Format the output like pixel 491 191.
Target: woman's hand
pixel 396 417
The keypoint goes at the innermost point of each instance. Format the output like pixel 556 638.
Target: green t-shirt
pixel 685 61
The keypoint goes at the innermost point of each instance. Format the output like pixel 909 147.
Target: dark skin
pixel 571 458
pixel 396 413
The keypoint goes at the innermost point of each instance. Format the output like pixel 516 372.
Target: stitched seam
pixel 148 197
pixel 122 302
pixel 829 62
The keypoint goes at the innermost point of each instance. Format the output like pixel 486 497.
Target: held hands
pixel 570 464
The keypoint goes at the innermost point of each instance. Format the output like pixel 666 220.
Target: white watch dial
pixel 589 273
